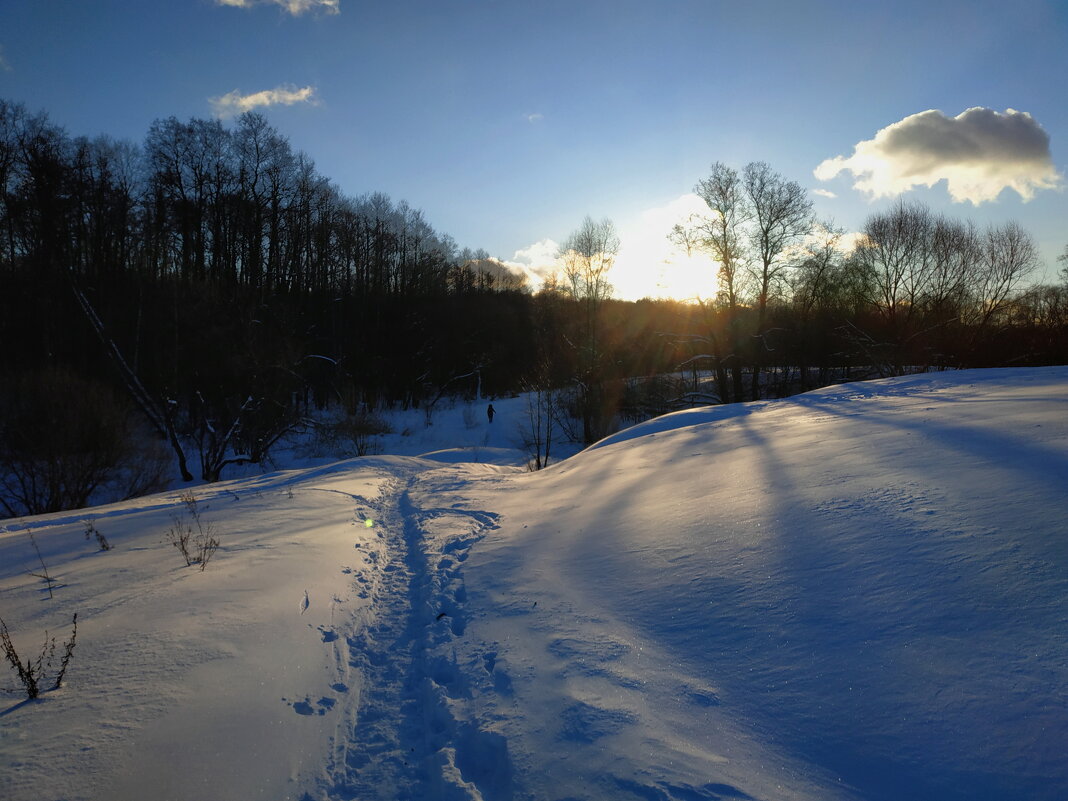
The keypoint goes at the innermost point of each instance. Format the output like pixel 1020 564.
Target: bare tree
pixel 588 255
pixel 895 255
pixel 818 285
pixel 781 217
pixel 954 254
pixel 1008 257
pixel 721 235
pixel 927 273
pixel 542 413
pixel 756 218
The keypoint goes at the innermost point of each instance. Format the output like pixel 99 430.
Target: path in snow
pixel 415 736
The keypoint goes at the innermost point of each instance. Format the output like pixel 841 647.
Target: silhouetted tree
pixel 587 256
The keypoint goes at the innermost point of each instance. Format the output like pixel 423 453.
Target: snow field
pixel 871 578
pixel 224 662
pixel 858 593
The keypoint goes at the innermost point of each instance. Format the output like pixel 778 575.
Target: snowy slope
pixel 858 593
pixel 868 582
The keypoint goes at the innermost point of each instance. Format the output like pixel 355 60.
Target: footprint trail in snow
pixel 415 736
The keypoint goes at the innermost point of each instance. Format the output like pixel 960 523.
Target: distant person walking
pixel 490 411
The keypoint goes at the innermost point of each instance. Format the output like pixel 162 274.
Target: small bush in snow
pixel 194 539
pixel 44 575
pixel 92 531
pixel 354 435
pixel 33 674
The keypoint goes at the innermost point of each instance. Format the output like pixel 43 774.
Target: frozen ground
pixel 858 593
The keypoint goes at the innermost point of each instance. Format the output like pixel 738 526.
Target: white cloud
pixel 821 239
pixel 535 117
pixel 294 7
pixel 541 252
pixel 536 262
pixel 978 153
pixel 824 193
pixel 234 103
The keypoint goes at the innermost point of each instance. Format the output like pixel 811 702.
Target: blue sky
pixel 507 122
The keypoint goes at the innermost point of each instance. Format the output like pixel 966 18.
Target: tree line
pixel 209 285
pixel 911 290
pixel 799 303
pixel 213 287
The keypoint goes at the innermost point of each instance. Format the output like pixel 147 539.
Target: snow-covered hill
pixel 858 593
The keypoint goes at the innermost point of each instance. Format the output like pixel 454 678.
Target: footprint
pixel 329 635
pixel 586 723
pixel 304 603
pixel 702 698
pixel 325 703
pixel 502 682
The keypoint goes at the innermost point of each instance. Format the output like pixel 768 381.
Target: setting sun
pixel 650 265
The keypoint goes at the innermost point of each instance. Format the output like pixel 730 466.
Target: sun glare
pixel 651 266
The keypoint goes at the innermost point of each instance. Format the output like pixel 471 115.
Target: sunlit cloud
pixel 978 154
pixel 234 103
pixel 294 7
pixel 536 117
pixel 824 193
pixel 822 239
pixel 850 241
pixel 536 262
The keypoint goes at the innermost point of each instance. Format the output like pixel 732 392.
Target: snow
pixel 857 593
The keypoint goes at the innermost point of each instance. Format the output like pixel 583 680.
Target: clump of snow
pixel 857 593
